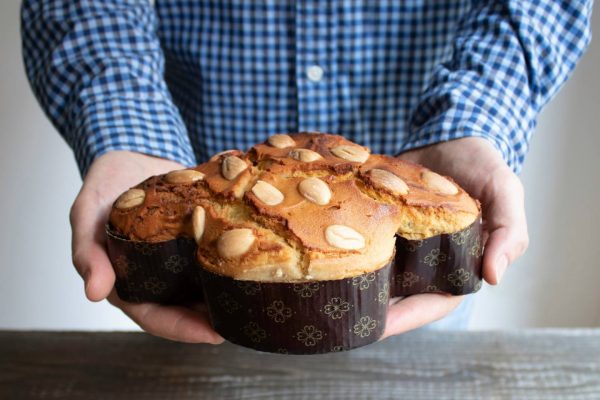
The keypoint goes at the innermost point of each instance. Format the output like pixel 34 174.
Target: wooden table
pixel 543 364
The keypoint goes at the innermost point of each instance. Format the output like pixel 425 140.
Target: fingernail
pixel 501 265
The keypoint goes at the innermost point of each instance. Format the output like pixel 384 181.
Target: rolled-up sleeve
pixel 509 58
pixel 96 67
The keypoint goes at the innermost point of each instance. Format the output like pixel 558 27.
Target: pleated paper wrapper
pixel 449 263
pixel 298 318
pixel 162 272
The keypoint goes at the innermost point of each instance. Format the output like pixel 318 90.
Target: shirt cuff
pixel 150 127
pixel 437 132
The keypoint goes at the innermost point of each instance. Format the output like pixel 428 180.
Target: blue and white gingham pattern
pixel 183 79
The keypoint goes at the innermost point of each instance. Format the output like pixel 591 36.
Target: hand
pixel 109 176
pixel 479 168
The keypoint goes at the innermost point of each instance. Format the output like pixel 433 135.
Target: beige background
pixel 554 284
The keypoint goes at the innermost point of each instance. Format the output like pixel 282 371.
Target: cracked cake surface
pixel 299 207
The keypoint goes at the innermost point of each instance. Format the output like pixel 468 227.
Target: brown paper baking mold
pixel 449 263
pixel 162 272
pixel 302 318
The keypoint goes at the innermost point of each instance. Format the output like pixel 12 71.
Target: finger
pixel 89 245
pixel 506 224
pixel 418 310
pixel 504 246
pixel 170 322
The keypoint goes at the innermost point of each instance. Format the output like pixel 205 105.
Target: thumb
pixel 99 277
pixel 503 204
pixel 88 245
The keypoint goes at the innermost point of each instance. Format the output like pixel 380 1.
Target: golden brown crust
pixel 165 213
pixel 290 241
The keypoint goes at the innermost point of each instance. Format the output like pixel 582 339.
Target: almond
pixel 221 153
pixel 198 222
pixel 232 166
pixel 267 193
pixel 387 180
pixel 130 199
pixel 304 155
pixel 235 243
pixel 351 153
pixel 344 237
pixel 184 176
pixel 281 141
pixel 315 190
pixel 438 183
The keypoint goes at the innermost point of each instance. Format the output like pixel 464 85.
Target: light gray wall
pixel 555 284
pixel 39 288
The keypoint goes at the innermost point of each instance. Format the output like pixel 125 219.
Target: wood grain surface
pixel 543 364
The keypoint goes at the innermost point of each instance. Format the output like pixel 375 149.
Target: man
pixel 138 88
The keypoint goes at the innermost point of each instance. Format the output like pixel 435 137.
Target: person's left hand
pixel 479 168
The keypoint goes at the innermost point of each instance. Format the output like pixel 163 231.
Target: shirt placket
pixel 316 68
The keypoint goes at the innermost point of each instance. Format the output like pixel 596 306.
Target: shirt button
pixel 314 73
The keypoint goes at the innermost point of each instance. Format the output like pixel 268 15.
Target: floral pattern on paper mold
pixel 336 308
pixel 364 326
pixel 254 332
pixel 476 250
pixel 413 245
pixel 125 266
pixel 155 285
pixel 435 258
pixel 146 249
pixel 306 289
pixel 309 335
pixel 459 277
pixel 278 311
pixel 432 289
pixel 460 238
pixel 228 303
pixel 364 281
pixel 407 278
pixel 384 294
pixel 249 288
pixel 176 264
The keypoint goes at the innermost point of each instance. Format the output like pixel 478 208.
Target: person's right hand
pixel 109 176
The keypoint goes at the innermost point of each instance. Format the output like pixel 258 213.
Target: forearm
pixel 509 59
pixel 97 70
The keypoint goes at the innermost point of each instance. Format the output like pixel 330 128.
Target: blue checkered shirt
pixel 183 79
